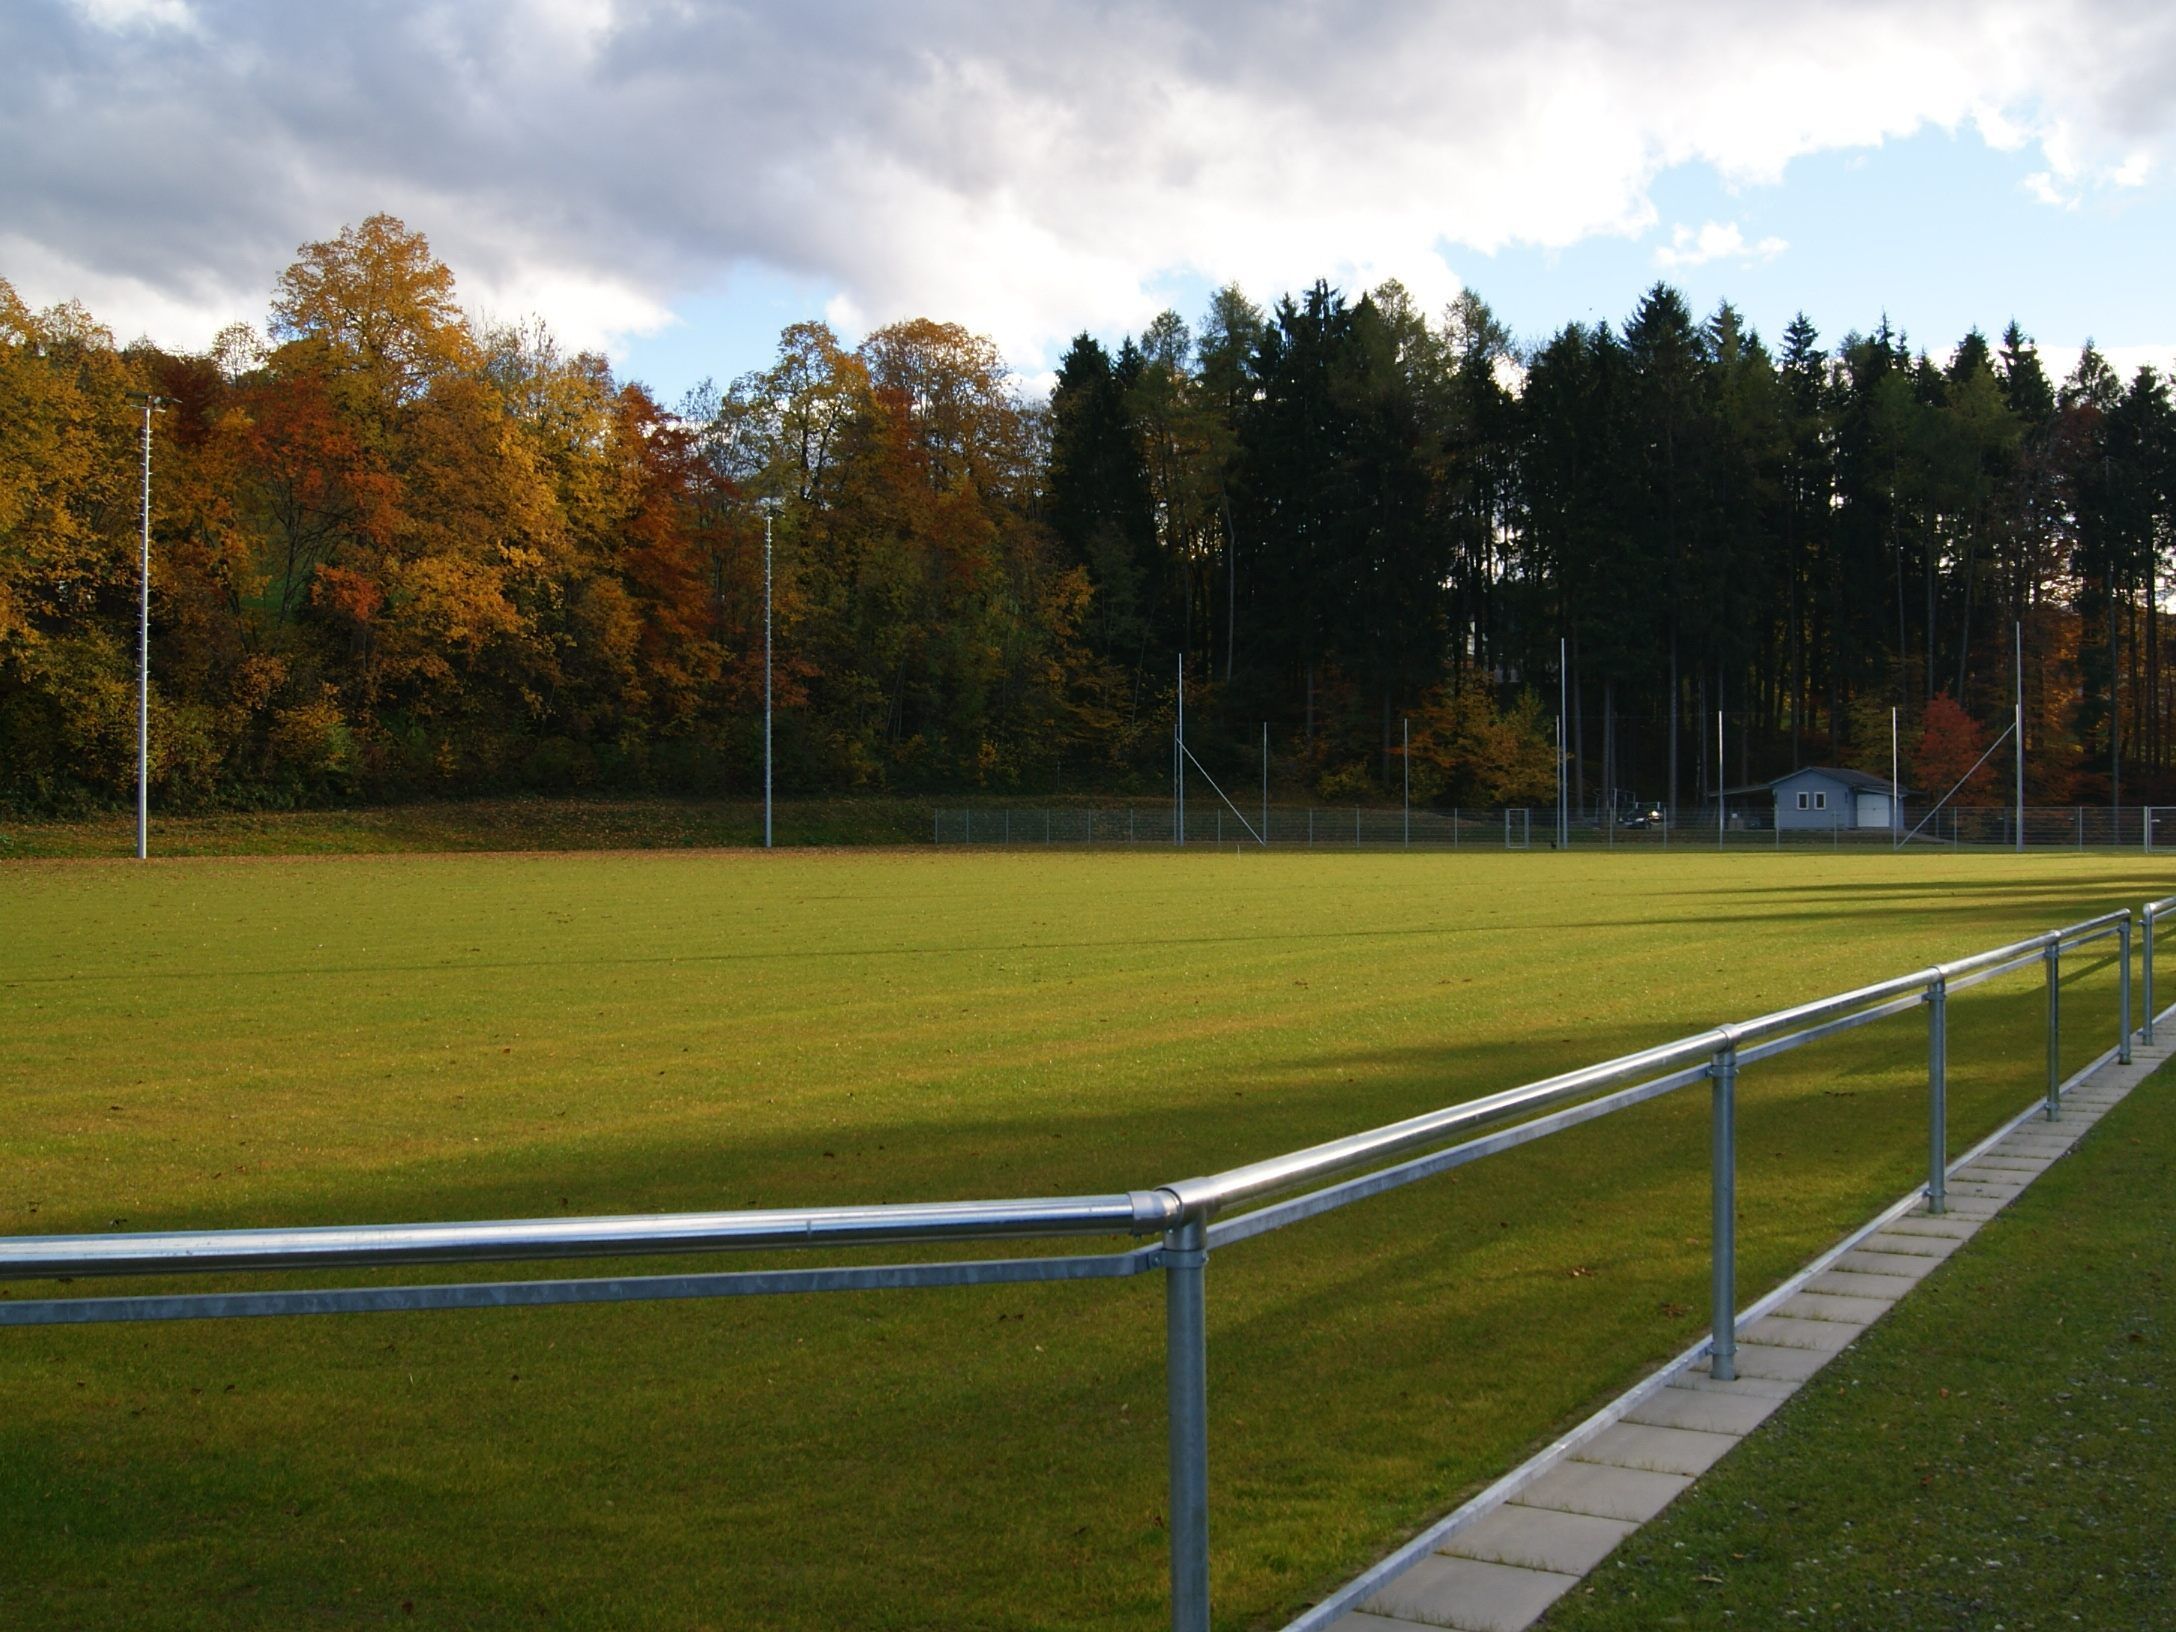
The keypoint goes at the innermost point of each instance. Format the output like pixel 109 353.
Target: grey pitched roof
pixel 1854 780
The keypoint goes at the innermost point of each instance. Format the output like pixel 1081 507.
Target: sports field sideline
pixel 344 1039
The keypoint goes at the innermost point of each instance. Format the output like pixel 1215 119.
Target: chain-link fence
pixel 1288 827
pixel 1348 827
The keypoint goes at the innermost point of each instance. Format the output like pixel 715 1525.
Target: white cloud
pixel 2062 361
pixel 586 311
pixel 185 314
pixel 1715 241
pixel 846 319
pixel 2041 184
pixel 1028 172
pixel 114 16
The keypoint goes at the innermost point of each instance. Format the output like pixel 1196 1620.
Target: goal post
pixel 2159 822
pixel 1518 828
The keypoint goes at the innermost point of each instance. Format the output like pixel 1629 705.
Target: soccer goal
pixel 2160 826
pixel 1518 828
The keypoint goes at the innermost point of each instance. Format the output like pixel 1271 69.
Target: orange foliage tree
pixel 1950 741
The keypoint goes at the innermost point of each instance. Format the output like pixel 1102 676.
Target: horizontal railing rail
pixel 642 1235
pixel 1187 1214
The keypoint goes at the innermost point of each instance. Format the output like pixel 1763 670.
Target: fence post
pixel 1938 1095
pixel 1186 1385
pixel 2149 978
pixel 1723 1187
pixel 2054 957
pixel 2123 1043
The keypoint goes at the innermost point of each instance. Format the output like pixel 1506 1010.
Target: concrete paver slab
pixel 1771 1360
pixel 1759 1388
pixel 1472 1596
pixel 1932 1224
pixel 1852 1283
pixel 1786 1333
pixel 1632 1494
pixel 1831 1306
pixel 1359 1620
pixel 1895 1265
pixel 1539 1538
pixel 1931 1246
pixel 1711 1412
pixel 1658 1450
pixel 1981 1173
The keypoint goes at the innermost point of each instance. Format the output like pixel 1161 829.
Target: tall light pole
pixel 1563 707
pixel 770 503
pixel 152 403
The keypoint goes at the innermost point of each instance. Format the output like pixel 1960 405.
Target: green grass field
pixel 324 1039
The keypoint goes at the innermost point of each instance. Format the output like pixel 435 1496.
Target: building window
pixel 1803 800
pixel 1820 801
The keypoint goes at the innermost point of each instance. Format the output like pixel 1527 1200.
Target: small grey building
pixel 1823 797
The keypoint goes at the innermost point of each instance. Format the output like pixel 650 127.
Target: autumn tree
pixel 1947 754
pixel 373 305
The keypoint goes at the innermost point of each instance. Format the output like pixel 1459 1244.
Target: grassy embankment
pixel 476 825
pixel 322 1040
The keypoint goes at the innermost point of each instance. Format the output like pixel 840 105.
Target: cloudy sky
pixel 673 182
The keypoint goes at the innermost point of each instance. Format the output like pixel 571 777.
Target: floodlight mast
pixel 1563 707
pixel 770 503
pixel 2018 724
pixel 1178 762
pixel 1896 787
pixel 152 403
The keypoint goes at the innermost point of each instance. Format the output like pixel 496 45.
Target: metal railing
pixel 2149 913
pixel 1187 1215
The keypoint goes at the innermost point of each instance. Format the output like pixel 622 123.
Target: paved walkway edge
pixel 1471 1571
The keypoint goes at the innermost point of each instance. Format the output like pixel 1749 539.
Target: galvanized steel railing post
pixel 2054 957
pixel 1938 1095
pixel 1186 1385
pixel 2147 1032
pixel 2123 1040
pixel 1723 1185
